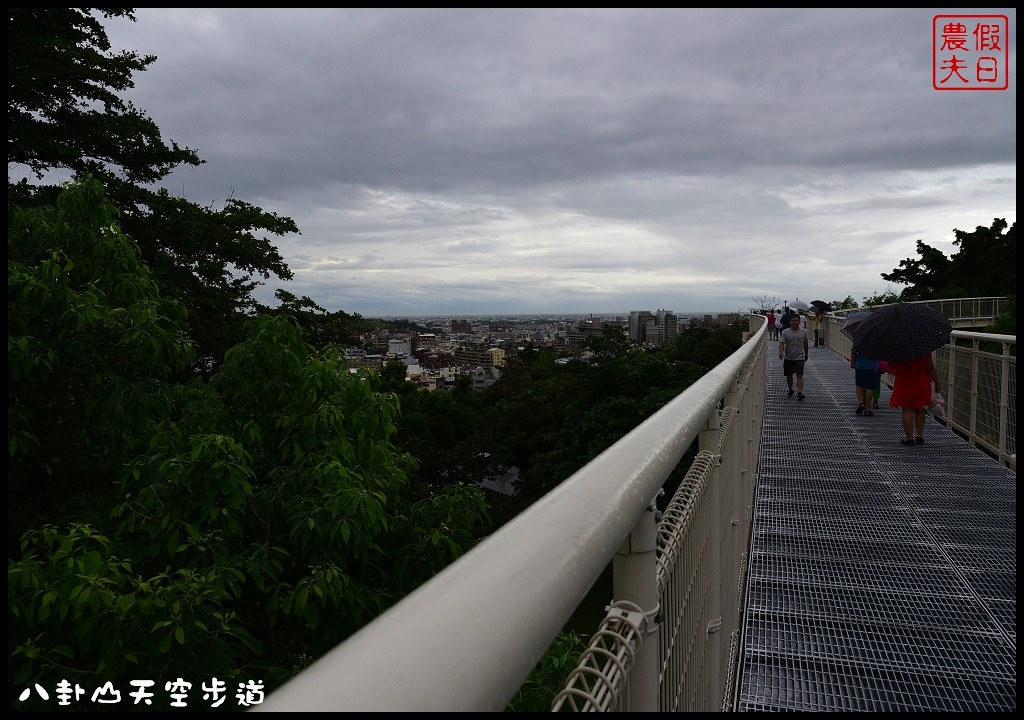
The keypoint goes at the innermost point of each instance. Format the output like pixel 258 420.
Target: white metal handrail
pixel 976 308
pixel 469 637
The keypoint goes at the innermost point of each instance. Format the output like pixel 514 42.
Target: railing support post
pixel 974 394
pixel 950 389
pixel 635 578
pixel 1004 401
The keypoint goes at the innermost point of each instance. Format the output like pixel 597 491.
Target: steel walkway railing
pixel 468 638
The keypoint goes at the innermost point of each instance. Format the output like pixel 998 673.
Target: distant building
pixel 669 324
pixel 473 357
pixel 653 336
pixel 577 333
pixel 638 320
pixel 400 346
pixel 484 378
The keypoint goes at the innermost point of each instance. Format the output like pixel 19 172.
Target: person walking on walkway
pixel 784 320
pixel 912 393
pixel 772 332
pixel 866 374
pixel 793 353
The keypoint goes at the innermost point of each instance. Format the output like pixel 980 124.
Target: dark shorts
pixel 867 378
pixel 793 366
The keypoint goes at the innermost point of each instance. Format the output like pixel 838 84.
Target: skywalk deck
pixel 882 577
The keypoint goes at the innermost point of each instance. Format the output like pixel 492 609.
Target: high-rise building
pixel 669 324
pixel 653 335
pixel 638 320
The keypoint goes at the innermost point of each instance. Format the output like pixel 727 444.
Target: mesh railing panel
pixel 683 588
pixel 598 683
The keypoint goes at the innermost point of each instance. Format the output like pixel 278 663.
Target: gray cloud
pixel 589 160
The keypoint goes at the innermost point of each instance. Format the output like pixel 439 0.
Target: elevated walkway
pixel 881 577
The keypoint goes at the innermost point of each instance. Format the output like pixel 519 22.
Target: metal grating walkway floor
pixel 882 577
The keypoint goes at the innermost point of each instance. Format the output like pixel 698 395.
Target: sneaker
pixel 875 406
pixel 801 397
pixel 790 393
pixel 919 440
pixel 860 409
pixel 868 413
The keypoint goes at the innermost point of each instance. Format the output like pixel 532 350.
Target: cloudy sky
pixel 546 161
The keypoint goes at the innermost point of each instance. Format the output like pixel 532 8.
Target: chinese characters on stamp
pixel 970 52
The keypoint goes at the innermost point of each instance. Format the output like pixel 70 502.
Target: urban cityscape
pixel 479 346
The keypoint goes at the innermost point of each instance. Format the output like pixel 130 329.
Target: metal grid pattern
pixel 598 683
pixel 977 404
pixel 881 577
pixel 684 570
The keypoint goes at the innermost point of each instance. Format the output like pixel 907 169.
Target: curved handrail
pixel 995 303
pixel 469 637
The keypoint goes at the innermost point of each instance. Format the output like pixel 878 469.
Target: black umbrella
pixel 821 306
pixel 896 333
pixel 852 322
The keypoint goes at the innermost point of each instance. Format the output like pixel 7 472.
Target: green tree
pixel 549 420
pixel 65 113
pixel 211 525
pixel 89 343
pixel 320 326
pixel 883 297
pixel 611 343
pixel 1006 324
pixel 847 304
pixel 979 268
pixel 548 678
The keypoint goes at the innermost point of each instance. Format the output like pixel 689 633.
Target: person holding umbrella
pixel 820 308
pixel 912 393
pixel 793 356
pixel 905 335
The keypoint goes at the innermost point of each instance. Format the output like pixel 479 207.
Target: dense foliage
pixel 211 525
pixel 549 419
pixel 217 524
pixel 982 266
pixel 64 114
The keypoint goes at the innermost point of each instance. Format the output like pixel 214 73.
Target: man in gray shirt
pixel 793 353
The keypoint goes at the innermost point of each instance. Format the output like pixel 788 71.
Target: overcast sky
pixel 546 161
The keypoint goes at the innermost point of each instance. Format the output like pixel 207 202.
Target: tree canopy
pixel 215 525
pixel 65 113
pixel 982 266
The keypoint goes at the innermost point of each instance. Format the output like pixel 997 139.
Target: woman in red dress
pixel 912 393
